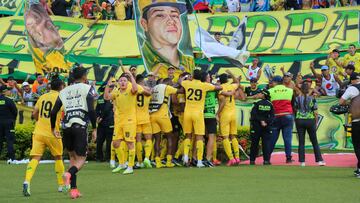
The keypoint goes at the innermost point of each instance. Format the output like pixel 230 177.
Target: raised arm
pixel 313 70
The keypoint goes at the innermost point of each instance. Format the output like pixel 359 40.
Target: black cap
pixel 336 50
pixel 253 80
pixel 354 76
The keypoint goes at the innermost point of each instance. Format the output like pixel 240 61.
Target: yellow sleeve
pixel 114 93
pixel 170 90
pixel 140 89
pixel 184 83
pixel 38 103
pixel 208 86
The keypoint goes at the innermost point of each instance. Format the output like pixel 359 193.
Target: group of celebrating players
pixel 155 114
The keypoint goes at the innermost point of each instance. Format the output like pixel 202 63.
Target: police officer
pixel 262 115
pixel 8 113
pixel 105 130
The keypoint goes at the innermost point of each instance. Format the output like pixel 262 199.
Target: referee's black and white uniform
pixel 78 104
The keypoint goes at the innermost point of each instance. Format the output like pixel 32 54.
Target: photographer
pixel 353 93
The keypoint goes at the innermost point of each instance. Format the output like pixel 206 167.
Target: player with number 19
pixel 195 92
pixel 43 137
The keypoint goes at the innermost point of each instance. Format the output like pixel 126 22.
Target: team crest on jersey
pixel 334 69
pixel 127 134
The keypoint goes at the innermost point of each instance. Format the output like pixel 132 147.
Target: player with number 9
pixel 195 93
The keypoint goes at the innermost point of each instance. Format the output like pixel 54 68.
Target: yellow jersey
pixel 177 108
pixel 195 93
pixel 354 60
pixel 142 109
pixel 125 104
pixel 335 68
pixel 44 105
pixel 230 105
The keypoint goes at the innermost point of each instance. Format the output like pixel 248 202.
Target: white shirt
pixel 233 5
pixel 350 93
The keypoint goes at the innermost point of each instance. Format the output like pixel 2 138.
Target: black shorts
pixel 76 139
pixel 210 125
pixel 175 124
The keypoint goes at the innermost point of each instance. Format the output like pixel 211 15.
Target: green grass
pixel 221 184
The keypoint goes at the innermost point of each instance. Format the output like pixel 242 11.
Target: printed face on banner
pixel 45 43
pixel 163 36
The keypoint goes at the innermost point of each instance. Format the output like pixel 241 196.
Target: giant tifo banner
pixel 164 36
pixel 297 33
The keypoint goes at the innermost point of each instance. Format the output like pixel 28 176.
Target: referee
pixel 78 103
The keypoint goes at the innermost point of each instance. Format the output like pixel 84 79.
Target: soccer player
pixel 160 120
pixel 43 136
pixel 143 124
pixel 78 103
pixel 125 99
pixel 228 118
pixel 195 92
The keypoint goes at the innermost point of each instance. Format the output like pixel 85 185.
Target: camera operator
pixel 353 93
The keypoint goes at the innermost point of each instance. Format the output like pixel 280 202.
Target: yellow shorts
pixel 125 132
pixel 194 123
pixel 228 124
pixel 181 119
pixel 160 124
pixel 144 128
pixel 39 144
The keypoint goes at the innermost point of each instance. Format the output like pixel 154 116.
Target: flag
pixel 234 51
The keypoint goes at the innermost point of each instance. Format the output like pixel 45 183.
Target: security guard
pixel 8 113
pixel 262 115
pixel 105 130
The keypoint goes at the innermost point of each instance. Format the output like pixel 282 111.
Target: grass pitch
pixel 221 184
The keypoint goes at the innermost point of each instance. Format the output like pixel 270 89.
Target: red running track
pixel 333 160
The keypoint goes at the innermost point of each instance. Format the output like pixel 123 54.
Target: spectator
pixel 217 37
pixel 306 4
pixel 28 96
pixel 107 12
pixel 201 6
pixel 329 82
pixel 260 5
pixel 293 4
pixel 288 80
pixel 352 58
pixel 15 91
pixel 46 7
pixel 133 70
pixel 253 91
pixel 58 7
pixel 76 9
pixel 218 5
pixel 334 4
pixel 129 10
pixel 151 80
pixel 305 107
pixel 316 4
pixel 233 6
pixel 96 15
pixel 40 84
pixel 87 9
pixel 254 70
pixel 277 5
pixel 281 98
pixel 171 74
pixel 334 63
pixel 245 5
pixel 354 2
pixel 7 122
pixel 120 9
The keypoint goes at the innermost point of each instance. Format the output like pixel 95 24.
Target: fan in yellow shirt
pixel 43 137
pixel 335 65
pixel 143 124
pixel 124 99
pixel 228 118
pixel 195 92
pixel 352 58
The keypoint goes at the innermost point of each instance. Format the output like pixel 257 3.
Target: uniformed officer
pixel 261 118
pixel 8 113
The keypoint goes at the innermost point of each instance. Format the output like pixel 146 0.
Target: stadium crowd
pixel 123 9
pixel 148 121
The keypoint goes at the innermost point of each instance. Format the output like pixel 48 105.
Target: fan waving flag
pixel 234 51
